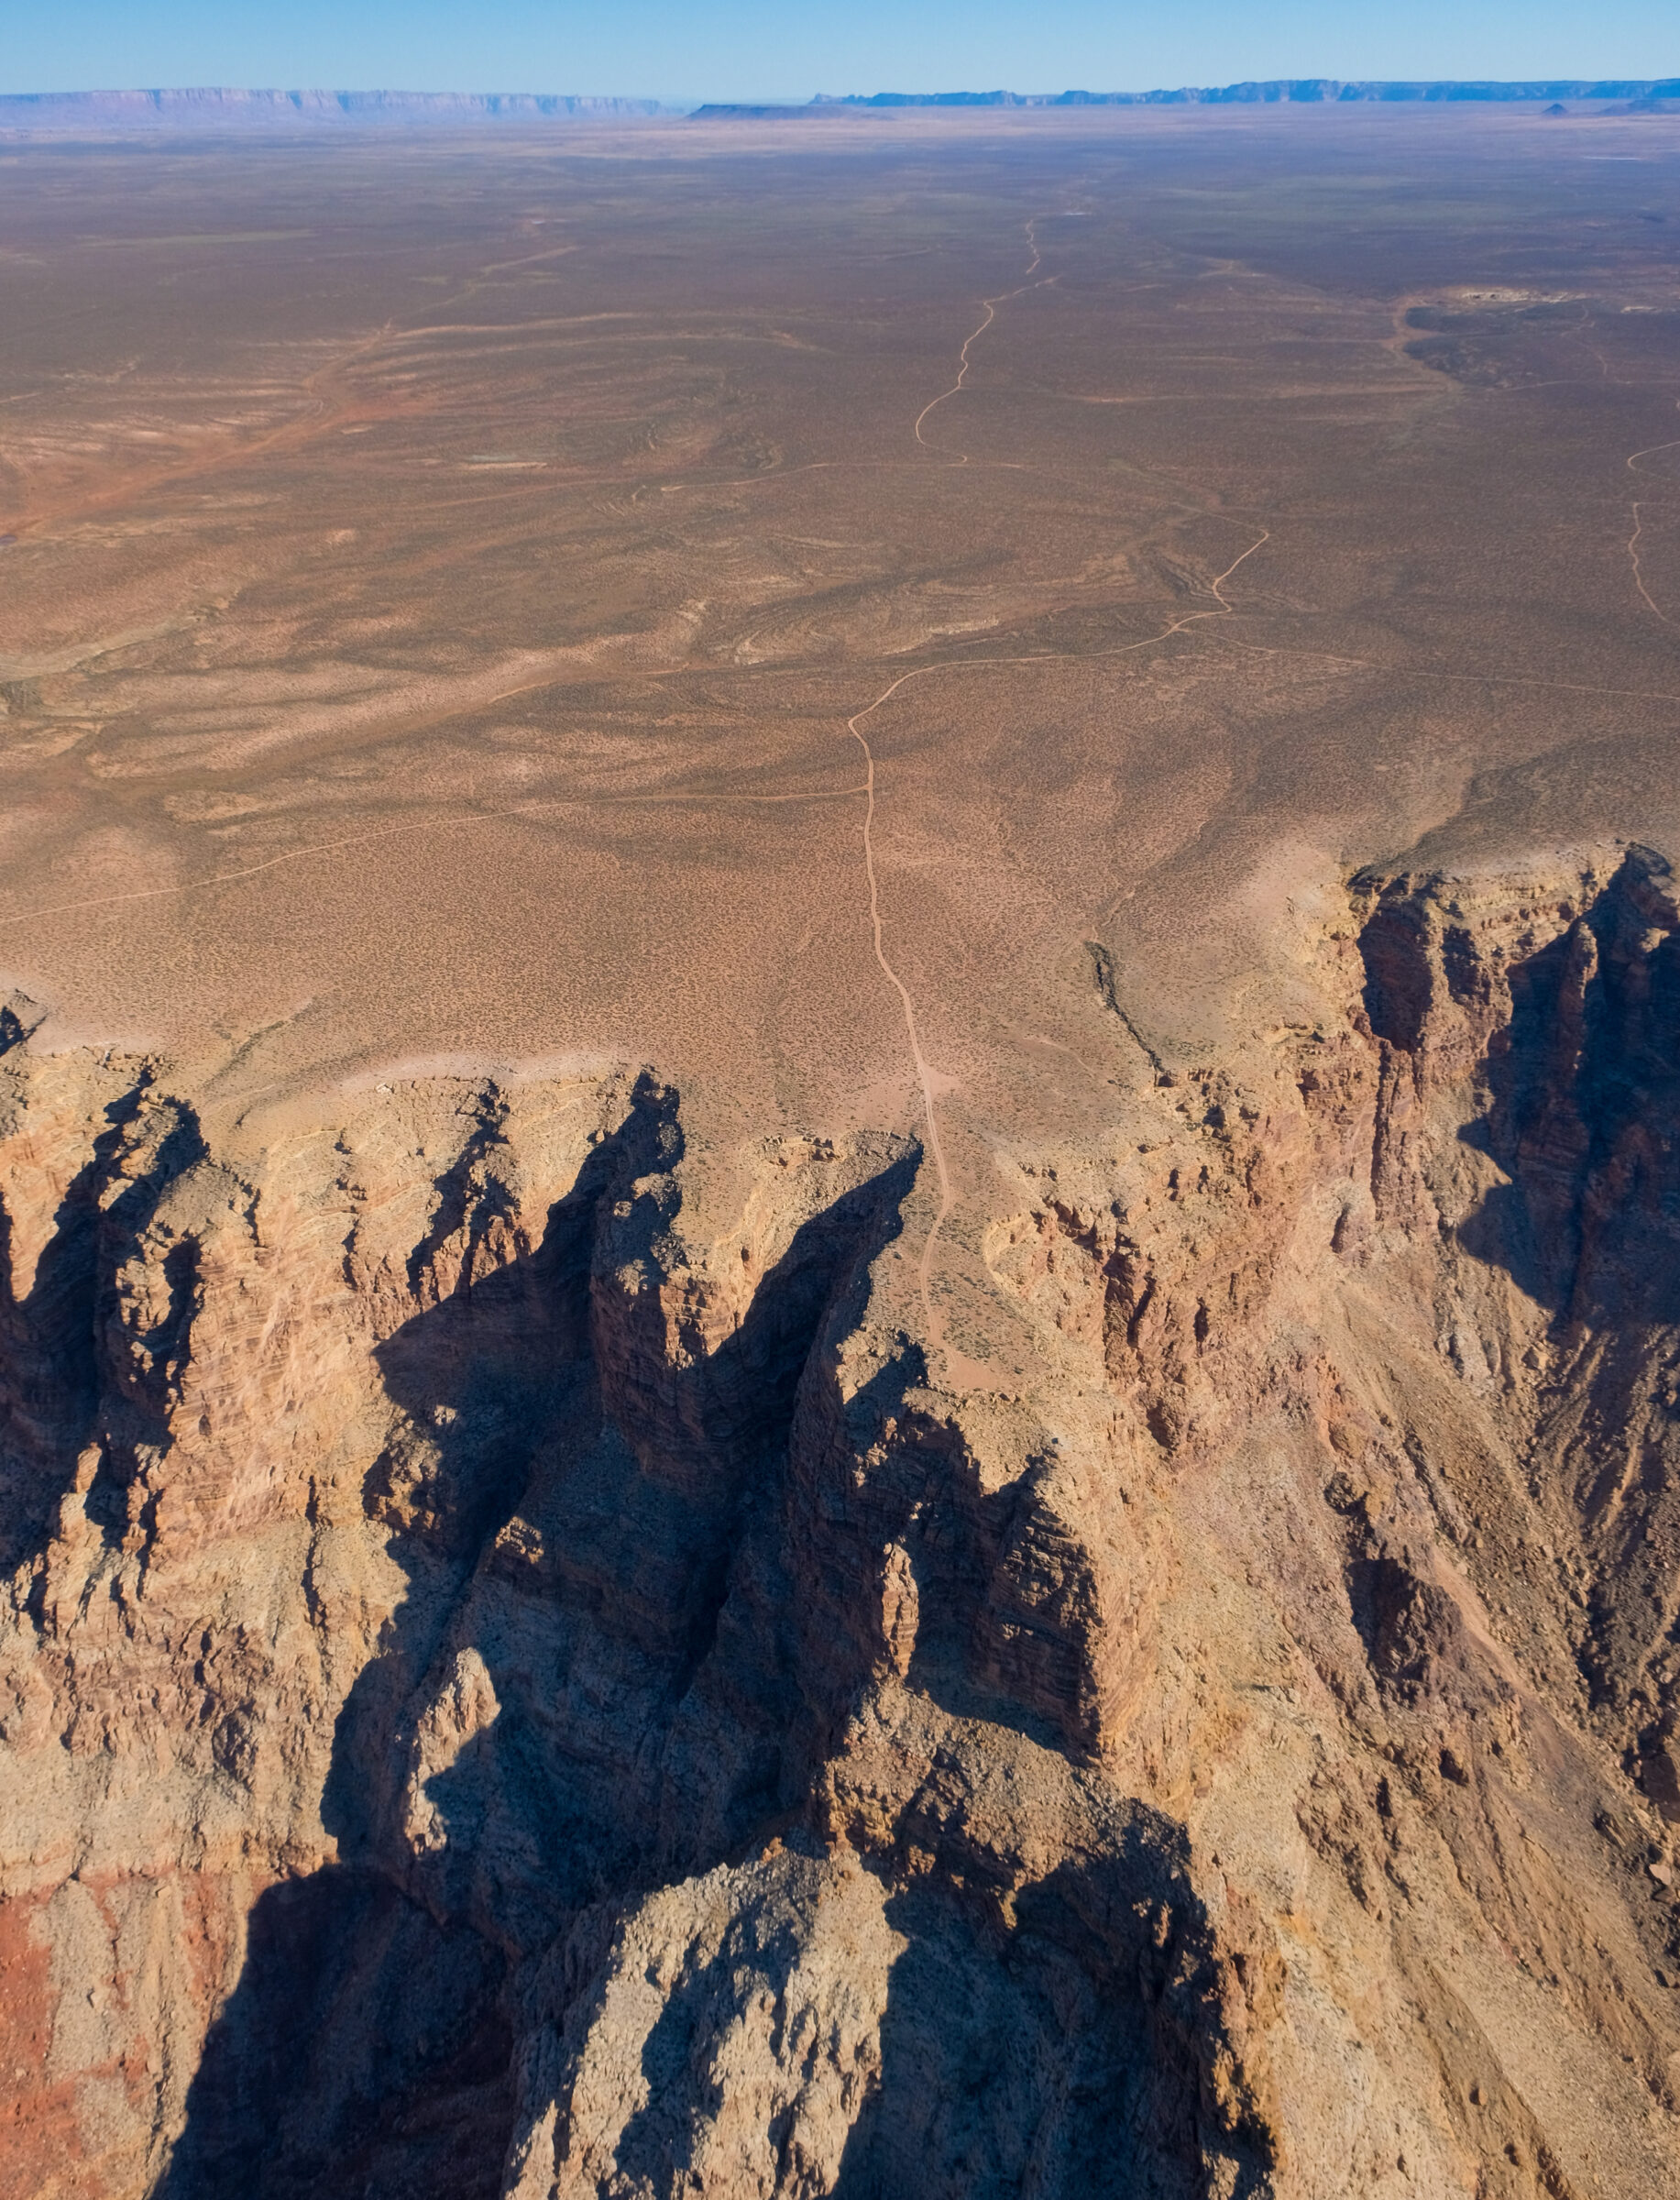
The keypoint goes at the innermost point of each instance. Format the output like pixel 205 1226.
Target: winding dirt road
pixel 926 1076
pixel 991 305
pixel 1639 528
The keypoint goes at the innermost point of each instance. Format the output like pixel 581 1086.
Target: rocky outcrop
pixel 424 1554
pixel 517 1676
pixel 1561 1010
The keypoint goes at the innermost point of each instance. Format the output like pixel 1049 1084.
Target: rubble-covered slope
pixel 520 1677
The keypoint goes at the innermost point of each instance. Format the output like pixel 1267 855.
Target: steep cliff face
pixel 430 1570
pixel 1389 1299
pixel 1562 1011
pixel 517 1678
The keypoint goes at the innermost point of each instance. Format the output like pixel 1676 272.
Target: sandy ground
pixel 456 595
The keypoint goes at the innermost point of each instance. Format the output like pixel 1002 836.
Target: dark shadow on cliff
pixel 364 2056
pixel 1581 1092
pixel 1583 1112
pixel 542 1539
pixel 54 1392
pixel 366 2048
pixel 632 1618
pixel 1060 2055
pixel 483 1379
pixel 922 1505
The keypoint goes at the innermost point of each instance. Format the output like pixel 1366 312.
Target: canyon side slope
pixel 839 1164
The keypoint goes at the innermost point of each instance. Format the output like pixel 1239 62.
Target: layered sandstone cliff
pixel 520 1676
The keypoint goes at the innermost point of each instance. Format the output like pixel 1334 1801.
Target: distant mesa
pixel 236 110
pixel 1643 96
pixel 224 108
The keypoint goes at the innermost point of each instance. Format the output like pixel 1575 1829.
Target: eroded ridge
pixel 435 1575
pixel 466 1598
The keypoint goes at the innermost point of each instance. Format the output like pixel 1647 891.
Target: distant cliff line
pixel 57 110
pixel 1310 91
pixel 233 108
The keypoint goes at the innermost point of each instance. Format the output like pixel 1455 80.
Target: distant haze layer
pixel 233 107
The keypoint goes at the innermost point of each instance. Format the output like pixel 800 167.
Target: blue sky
pixel 773 49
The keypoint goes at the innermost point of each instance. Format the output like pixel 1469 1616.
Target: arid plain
pixel 948 639
pixel 444 578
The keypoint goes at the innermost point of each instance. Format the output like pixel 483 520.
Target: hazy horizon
pixel 745 51
pixel 1600 84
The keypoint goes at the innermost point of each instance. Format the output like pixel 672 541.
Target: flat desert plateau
pixel 839 1159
